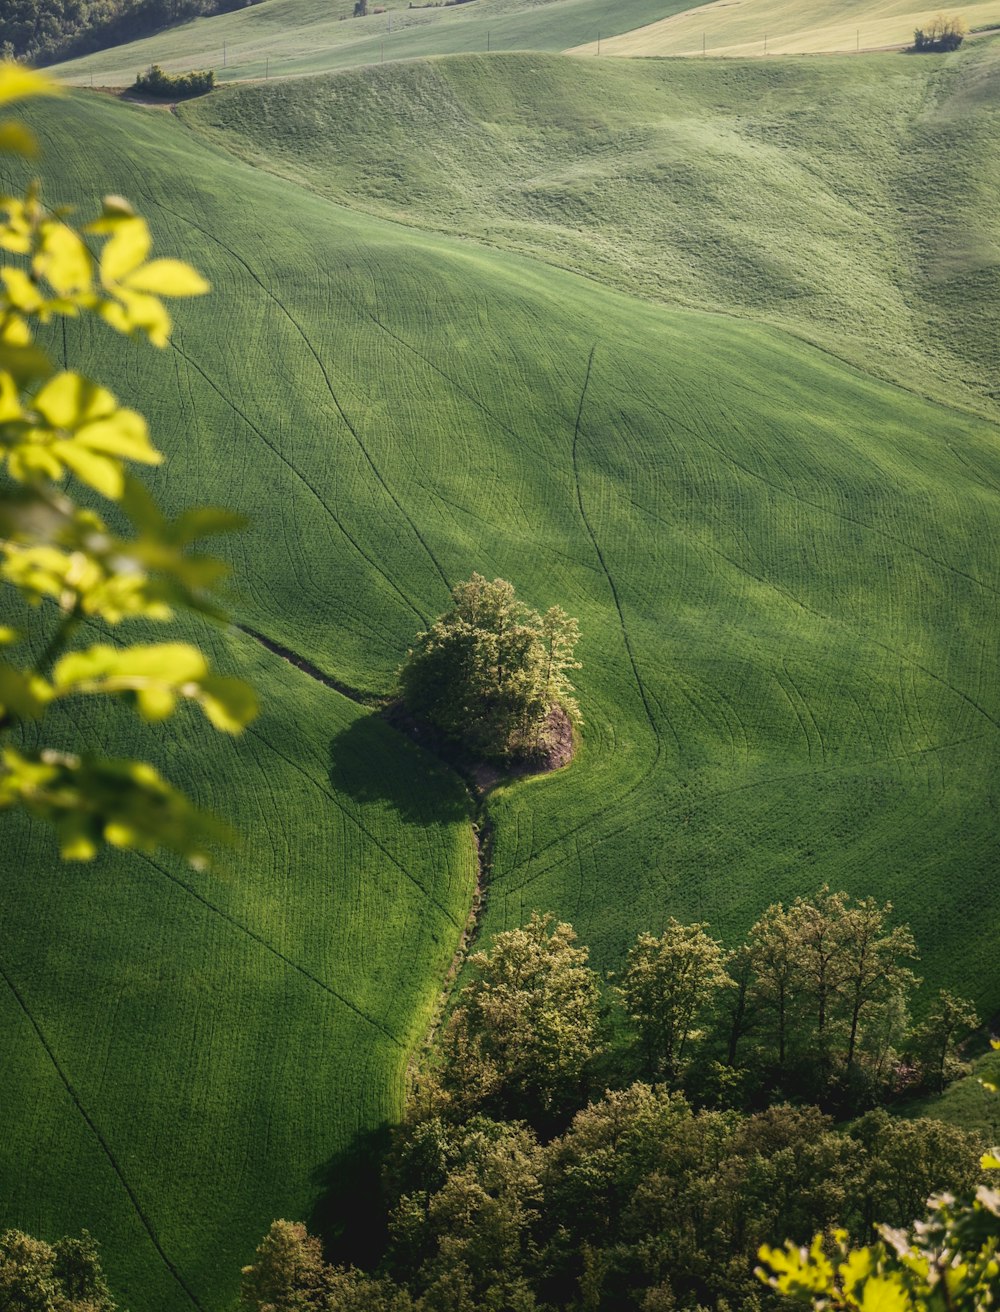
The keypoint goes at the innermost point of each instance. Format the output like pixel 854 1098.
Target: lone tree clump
pixel 493 674
pixel 943 32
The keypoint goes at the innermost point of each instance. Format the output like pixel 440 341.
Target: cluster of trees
pixel 946 1261
pixel 515 1186
pixel 943 32
pixel 45 31
pixel 643 1204
pixel 492 674
pixel 62 1277
pixel 177 86
pixel 813 1006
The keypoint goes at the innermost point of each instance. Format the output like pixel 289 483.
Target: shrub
pixel 174 87
pixel 943 32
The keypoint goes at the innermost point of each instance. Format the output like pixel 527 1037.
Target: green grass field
pixel 288 38
pixel 849 201
pixel 786 575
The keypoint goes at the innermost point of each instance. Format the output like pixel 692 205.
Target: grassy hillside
pixel 287 38
pixel 851 201
pixel 786 576
pixel 185 1054
pixel 789 26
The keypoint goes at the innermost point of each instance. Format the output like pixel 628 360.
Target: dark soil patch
pixel 482 776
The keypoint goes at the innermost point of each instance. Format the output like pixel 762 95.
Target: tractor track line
pixel 300 476
pixel 353 819
pixel 269 947
pixel 329 387
pixel 355 695
pixel 105 1146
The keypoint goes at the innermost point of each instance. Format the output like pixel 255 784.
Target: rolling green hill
pixel 786 576
pixel 288 38
pixel 850 201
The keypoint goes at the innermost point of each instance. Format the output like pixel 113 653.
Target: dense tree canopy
pixel 666 988
pixel 491 673
pixel 525 1027
pixel 62 1277
pixel 643 1203
pixel 43 31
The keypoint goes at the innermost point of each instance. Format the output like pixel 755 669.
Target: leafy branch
pixel 59 429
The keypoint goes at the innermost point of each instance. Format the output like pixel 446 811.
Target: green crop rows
pixel 786 574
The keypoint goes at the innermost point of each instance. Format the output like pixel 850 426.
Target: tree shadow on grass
pixel 372 762
pixel 349 1213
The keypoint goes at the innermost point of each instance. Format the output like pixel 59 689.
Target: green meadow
pixel 750 444
pixel 288 38
pixel 845 200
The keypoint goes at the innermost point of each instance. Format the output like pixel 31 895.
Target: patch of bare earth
pixel 483 776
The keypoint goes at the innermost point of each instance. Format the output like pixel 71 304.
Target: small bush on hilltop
pixel 492 674
pixel 174 87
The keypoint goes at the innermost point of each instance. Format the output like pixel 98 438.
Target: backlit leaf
pixel 126 247
pixel 168 278
pixel 20 83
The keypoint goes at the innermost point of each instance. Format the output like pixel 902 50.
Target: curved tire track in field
pixel 74 1097
pixel 442 373
pixel 269 947
pixel 840 514
pixel 300 476
pixel 600 556
pixel 482 836
pixel 618 802
pixel 772 781
pixel 630 792
pixel 329 387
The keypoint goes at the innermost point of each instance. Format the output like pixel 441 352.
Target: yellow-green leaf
pixel 168 663
pixel 146 314
pixel 19 83
pixel 155 704
pixel 123 433
pixel 100 472
pixel 882 1295
pixel 22 693
pixel 990 1161
pixel 77 846
pixel 63 259
pixel 125 249
pixel 10 401
pixel 16 139
pixel 229 704
pixel 69 399
pixel 28 462
pixel 22 293
pixel 167 278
